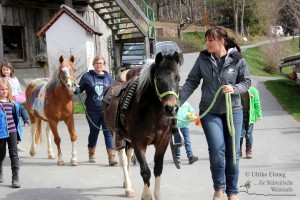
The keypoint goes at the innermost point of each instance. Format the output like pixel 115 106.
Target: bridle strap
pixel 66 80
pixel 160 96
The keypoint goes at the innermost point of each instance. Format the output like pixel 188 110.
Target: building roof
pixel 71 13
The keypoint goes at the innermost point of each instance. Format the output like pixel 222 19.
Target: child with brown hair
pixel 10 131
pixel 7 71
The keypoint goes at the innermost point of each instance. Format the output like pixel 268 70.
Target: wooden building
pixel 120 22
pixel 22 19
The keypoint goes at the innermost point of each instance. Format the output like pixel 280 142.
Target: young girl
pixel 10 131
pixel 7 71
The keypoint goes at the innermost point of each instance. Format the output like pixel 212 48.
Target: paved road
pixel 275 164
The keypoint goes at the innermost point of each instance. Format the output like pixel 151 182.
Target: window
pixel 13 43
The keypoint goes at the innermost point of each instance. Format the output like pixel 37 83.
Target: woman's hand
pixel 228 89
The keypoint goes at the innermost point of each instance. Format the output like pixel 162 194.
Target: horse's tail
pixel 38 132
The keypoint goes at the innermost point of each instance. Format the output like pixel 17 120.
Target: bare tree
pixel 235 7
pixel 159 4
pixel 294 9
pixel 242 18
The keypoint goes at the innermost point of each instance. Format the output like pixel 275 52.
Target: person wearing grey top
pixel 220 65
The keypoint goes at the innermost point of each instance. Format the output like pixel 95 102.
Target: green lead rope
pixel 228 116
pixel 230 124
pixel 88 117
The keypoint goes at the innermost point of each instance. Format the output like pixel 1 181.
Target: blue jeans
pixel 98 120
pixel 187 143
pixel 247 130
pixel 24 114
pixel 224 173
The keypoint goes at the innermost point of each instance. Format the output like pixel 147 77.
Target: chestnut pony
pixel 147 120
pixel 52 101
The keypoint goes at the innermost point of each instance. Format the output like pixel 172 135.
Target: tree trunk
pixel 157 12
pixel 235 15
pixel 242 17
pixel 180 34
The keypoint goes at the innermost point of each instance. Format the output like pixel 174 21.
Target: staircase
pixel 130 26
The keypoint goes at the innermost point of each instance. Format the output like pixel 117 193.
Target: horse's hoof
pixel 129 194
pixel 32 152
pixel 146 199
pixel 51 155
pixel 60 163
pixel 74 162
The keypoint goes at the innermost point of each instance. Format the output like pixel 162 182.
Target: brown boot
pixel 218 195
pixel 111 157
pixel 92 158
pixel 248 152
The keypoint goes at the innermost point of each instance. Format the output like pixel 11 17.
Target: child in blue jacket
pixel 184 128
pixel 10 131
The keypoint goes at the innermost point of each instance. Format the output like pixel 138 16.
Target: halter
pixel 67 79
pixel 160 96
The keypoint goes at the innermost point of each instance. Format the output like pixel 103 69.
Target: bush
pixel 272 53
pixel 256 29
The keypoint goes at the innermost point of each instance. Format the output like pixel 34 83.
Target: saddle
pixel 123 82
pixel 118 97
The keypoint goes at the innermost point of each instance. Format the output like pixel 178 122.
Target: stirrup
pixel 178 144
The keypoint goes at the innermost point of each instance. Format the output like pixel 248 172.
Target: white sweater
pixel 15 85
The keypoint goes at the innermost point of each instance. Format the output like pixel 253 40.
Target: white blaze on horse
pixel 51 100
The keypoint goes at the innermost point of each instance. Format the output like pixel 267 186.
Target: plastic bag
pixel 20 97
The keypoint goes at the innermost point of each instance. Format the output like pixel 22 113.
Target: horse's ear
pixel 158 58
pixel 61 59
pixel 176 57
pixel 72 58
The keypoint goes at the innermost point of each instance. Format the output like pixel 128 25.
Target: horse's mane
pixel 54 81
pixel 145 77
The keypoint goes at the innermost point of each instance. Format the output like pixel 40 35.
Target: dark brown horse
pixel 52 101
pixel 148 119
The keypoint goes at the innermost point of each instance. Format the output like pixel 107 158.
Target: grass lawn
pixel 287 92
pixel 78 109
pixel 255 62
